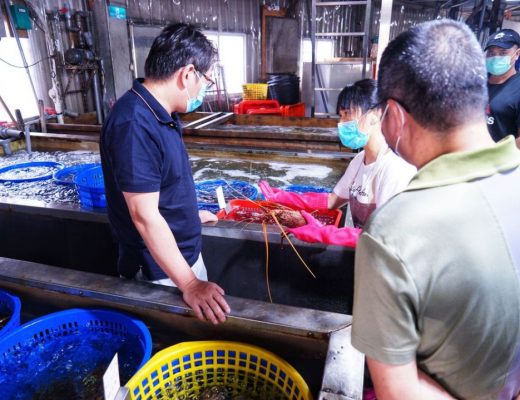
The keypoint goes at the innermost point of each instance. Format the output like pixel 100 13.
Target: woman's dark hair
pixel 177 46
pixel 360 95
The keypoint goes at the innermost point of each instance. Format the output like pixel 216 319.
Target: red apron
pixel 360 212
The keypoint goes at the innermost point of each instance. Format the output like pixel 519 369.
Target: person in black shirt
pixel 503 110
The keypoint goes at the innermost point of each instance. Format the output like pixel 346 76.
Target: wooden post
pixel 267 12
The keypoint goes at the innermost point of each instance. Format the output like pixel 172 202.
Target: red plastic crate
pixel 265 111
pixel 251 205
pixel 244 106
pixel 293 110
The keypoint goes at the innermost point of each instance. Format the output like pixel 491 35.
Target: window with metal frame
pixel 15 88
pixel 232 56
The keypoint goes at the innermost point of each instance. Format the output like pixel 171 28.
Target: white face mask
pixel 384 114
pixel 396 147
pixel 396 150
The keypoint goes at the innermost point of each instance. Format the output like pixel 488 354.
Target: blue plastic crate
pixel 67 175
pixel 307 189
pixel 28 166
pixel 207 198
pixel 91 187
pixel 11 306
pixel 64 350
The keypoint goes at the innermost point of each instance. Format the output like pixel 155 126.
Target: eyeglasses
pixel 210 82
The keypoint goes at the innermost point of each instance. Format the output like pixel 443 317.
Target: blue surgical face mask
pixel 193 104
pixel 498 65
pixel 350 135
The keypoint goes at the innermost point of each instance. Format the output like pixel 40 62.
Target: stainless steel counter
pixel 317 343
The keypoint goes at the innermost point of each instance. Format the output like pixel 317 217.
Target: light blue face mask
pixel 498 65
pixel 196 102
pixel 350 135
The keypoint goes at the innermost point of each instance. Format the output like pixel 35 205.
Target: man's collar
pixel 466 166
pixel 151 102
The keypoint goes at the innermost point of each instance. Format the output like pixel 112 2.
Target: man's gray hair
pixel 437 71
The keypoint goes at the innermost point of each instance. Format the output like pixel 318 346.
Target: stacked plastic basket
pixel 187 370
pixel 91 187
pixel 67 175
pixel 64 354
pixel 10 308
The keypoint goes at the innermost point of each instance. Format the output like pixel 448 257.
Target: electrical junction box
pixel 21 17
pixel 116 11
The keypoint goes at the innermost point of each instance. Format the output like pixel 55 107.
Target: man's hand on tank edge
pixel 207 300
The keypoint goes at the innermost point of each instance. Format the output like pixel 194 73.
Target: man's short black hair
pixel 360 95
pixel 177 46
pixel 436 70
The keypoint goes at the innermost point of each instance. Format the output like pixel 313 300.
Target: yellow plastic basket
pixel 183 371
pixel 254 91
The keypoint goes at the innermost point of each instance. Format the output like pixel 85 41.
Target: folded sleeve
pixel 386 304
pixel 136 158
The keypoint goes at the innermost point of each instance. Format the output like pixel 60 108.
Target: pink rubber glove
pixel 305 201
pixel 316 232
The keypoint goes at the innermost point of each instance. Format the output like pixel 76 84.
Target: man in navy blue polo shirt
pixel 152 206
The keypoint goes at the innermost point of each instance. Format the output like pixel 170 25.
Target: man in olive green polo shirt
pixel 437 289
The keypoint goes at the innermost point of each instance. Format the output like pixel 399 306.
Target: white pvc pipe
pixel 384 28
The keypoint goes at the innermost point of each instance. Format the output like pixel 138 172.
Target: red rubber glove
pixel 305 201
pixel 316 232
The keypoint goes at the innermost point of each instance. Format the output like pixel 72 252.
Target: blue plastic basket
pixel 232 190
pixel 10 305
pixel 214 208
pixel 91 187
pixel 28 165
pixel 307 189
pixel 63 350
pixel 66 175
